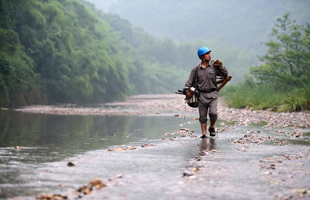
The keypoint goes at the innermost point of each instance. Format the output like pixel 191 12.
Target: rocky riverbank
pixel 174 104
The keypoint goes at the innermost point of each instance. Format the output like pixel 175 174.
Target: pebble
pixel 70 164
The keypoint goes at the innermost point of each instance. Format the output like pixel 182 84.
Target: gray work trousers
pixel 204 107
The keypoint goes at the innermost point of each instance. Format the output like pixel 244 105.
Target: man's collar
pixel 207 65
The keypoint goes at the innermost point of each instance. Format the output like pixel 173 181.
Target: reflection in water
pixel 207 144
pixel 75 134
pixel 45 139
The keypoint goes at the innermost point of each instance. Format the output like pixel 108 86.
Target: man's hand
pixel 188 95
pixel 217 63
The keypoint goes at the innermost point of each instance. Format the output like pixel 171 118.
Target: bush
pixel 267 96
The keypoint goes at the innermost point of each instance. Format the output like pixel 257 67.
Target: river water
pixel 36 148
pixel 46 143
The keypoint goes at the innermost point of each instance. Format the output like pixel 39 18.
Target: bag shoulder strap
pixel 196 77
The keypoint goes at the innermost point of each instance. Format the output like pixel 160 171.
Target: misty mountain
pixel 236 23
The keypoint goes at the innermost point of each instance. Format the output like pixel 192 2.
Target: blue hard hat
pixel 202 51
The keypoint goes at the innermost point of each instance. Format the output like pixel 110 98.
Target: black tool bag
pixel 193 101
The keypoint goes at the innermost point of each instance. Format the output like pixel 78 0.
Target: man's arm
pixel 222 71
pixel 189 83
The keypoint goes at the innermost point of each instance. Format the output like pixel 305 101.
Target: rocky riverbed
pixel 268 162
pixel 173 103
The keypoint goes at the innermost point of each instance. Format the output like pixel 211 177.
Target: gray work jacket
pixel 206 80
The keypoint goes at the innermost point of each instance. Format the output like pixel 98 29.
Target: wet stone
pixel 70 164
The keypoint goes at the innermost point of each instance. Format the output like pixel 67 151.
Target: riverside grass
pixel 267 97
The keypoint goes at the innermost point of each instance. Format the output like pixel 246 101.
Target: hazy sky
pixel 103 4
pixel 182 19
pixel 230 23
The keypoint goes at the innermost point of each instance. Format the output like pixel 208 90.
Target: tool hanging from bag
pixel 193 101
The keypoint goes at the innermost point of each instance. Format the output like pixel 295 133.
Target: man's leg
pixel 203 113
pixel 203 128
pixel 212 123
pixel 213 116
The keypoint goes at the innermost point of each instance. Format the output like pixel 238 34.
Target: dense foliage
pixel 288 58
pixel 52 52
pixel 59 51
pixel 282 82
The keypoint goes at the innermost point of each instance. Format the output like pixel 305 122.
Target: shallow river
pixel 36 148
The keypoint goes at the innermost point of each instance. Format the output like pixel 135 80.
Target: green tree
pixel 62 49
pixel 16 70
pixel 287 61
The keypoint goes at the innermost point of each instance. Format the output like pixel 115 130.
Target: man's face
pixel 207 56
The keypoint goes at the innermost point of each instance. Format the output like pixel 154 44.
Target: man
pixel 207 72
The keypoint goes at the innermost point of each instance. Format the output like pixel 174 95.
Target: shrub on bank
pixel 282 82
pixel 267 96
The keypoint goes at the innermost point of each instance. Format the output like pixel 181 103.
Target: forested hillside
pixel 55 51
pixel 64 51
